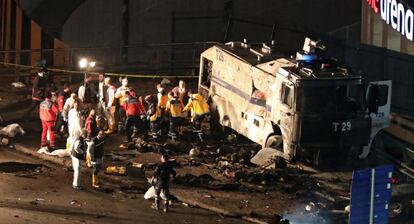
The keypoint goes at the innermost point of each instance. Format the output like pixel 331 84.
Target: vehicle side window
pixel 383 95
pixel 377 97
pixel 287 95
pixel 207 72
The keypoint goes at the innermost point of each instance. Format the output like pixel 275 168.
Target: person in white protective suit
pixel 69 105
pixel 78 152
pixel 74 122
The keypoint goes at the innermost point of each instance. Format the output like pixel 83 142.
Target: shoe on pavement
pixel 155 207
pixel 78 188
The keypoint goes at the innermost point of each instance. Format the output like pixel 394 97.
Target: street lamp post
pixel 85 65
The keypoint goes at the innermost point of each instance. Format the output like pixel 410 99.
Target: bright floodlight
pixel 92 64
pixel 83 63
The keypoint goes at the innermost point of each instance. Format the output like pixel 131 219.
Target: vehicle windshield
pixel 331 98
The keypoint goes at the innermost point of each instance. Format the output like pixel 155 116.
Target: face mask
pixel 41 74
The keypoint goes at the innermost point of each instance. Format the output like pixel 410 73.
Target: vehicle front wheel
pixel 276 142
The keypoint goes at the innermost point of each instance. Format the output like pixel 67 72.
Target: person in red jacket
pixel 47 114
pixel 133 112
pixel 91 125
pixel 64 94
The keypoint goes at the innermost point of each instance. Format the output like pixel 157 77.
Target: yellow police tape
pixel 151 76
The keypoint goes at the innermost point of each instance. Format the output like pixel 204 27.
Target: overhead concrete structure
pixel 111 30
pixel 49 14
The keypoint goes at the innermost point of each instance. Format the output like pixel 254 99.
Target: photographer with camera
pixel 40 83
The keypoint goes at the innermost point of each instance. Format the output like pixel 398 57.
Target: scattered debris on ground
pixel 118 170
pixel 16 167
pixel 18 84
pixel 76 203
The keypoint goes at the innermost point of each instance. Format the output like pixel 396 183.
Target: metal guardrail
pixel 400 165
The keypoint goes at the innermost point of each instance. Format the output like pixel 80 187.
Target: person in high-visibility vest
pixel 174 108
pixel 181 91
pixel 120 95
pixel 198 104
pixel 162 97
pixel 162 103
pixel 48 114
pixel 96 152
pixel 153 114
pixel 110 105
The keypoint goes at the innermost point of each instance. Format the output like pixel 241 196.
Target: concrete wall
pixel 95 24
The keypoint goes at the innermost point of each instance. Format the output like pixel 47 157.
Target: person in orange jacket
pixel 48 113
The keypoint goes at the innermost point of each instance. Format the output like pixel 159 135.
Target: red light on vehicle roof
pixel 325 65
pixel 393 180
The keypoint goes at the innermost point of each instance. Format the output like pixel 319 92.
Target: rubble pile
pixel 205 181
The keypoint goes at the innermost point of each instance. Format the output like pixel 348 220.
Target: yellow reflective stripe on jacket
pixel 156 115
pixel 163 101
pixel 175 107
pixel 198 104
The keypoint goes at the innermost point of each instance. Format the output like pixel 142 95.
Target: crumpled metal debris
pixel 76 203
pixel 18 84
pixel 120 170
pixel 205 181
pixel 310 207
pixel 194 152
pixel 12 130
pixel 266 157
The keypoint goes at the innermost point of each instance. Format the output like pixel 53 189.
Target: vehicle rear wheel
pixel 276 142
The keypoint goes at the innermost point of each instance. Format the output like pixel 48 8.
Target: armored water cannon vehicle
pixel 300 106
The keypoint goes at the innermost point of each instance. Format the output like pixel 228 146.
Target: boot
pixel 123 146
pixel 88 160
pixel 109 131
pixel 200 136
pixel 166 206
pixel 156 204
pixel 95 183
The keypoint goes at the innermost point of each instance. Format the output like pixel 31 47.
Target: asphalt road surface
pixel 33 191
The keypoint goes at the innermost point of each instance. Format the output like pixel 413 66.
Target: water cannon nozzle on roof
pixel 309 46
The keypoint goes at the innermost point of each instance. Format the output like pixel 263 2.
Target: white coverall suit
pixel 74 124
pixel 76 165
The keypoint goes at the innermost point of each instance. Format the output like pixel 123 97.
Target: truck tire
pixel 276 142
